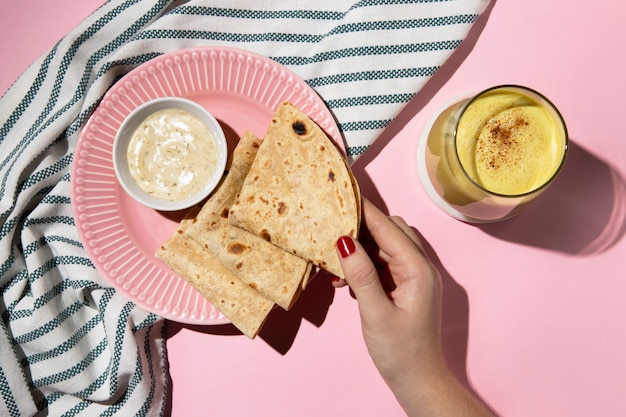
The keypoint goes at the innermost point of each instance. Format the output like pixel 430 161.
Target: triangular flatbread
pixel 299 194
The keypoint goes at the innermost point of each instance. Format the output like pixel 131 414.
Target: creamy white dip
pixel 172 154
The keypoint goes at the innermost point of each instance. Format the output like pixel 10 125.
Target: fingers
pixel 393 235
pixel 361 275
pixel 401 223
pixel 384 238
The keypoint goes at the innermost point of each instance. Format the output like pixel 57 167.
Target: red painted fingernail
pixel 346 247
pixel 336 279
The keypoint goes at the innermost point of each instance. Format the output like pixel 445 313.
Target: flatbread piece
pixel 245 307
pixel 299 193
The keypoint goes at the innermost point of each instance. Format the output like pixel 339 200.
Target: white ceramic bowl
pixel 124 135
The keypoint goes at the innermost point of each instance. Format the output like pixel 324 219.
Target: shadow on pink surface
pixel 582 213
pixel 282 326
pixel 455 319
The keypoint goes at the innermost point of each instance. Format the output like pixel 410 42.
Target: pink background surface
pixel 534 317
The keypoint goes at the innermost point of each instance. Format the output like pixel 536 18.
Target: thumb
pixel 361 275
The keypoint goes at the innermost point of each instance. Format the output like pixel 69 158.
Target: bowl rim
pixel 122 138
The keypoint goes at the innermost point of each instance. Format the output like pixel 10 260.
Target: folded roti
pixel 272 271
pixel 245 307
pixel 299 194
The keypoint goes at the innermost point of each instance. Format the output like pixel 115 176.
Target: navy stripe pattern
pixel 69 344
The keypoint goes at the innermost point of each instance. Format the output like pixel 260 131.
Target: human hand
pixel 399 295
pixel 400 308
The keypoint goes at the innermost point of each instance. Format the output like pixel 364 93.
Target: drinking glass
pixel 486 156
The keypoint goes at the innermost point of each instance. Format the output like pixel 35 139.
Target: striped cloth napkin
pixel 71 345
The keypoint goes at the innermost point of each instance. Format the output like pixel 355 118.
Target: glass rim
pixel 560 119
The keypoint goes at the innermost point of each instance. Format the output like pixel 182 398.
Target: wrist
pixel 420 382
pixel 437 393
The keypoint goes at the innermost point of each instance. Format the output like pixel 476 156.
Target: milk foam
pixel 508 143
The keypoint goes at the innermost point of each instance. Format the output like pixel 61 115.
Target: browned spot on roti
pixel 225 213
pixel 236 248
pixel 331 175
pixel 265 235
pixel 282 208
pixel 299 128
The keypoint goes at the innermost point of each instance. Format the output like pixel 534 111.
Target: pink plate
pixel 242 90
